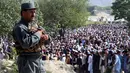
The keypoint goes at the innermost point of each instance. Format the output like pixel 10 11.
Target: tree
pixel 10 14
pixel 67 13
pixel 121 9
pixel 91 9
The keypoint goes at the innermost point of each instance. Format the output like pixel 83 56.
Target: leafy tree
pixel 107 8
pixel 10 14
pixel 121 9
pixel 91 9
pixel 64 13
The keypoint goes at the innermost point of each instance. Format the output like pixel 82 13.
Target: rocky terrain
pixel 58 67
pixel 8 66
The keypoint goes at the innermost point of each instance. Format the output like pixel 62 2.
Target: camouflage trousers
pixel 30 64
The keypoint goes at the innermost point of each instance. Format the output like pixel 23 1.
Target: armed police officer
pixel 28 42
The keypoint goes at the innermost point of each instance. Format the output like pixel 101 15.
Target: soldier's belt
pixel 32 50
pixel 36 48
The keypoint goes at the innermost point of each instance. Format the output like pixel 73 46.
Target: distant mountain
pixel 97 9
pixel 102 3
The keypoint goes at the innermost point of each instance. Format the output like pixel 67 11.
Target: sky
pixel 101 2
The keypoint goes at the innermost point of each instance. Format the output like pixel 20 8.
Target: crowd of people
pixel 7 50
pixel 94 48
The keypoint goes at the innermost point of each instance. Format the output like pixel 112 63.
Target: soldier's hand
pixel 44 37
